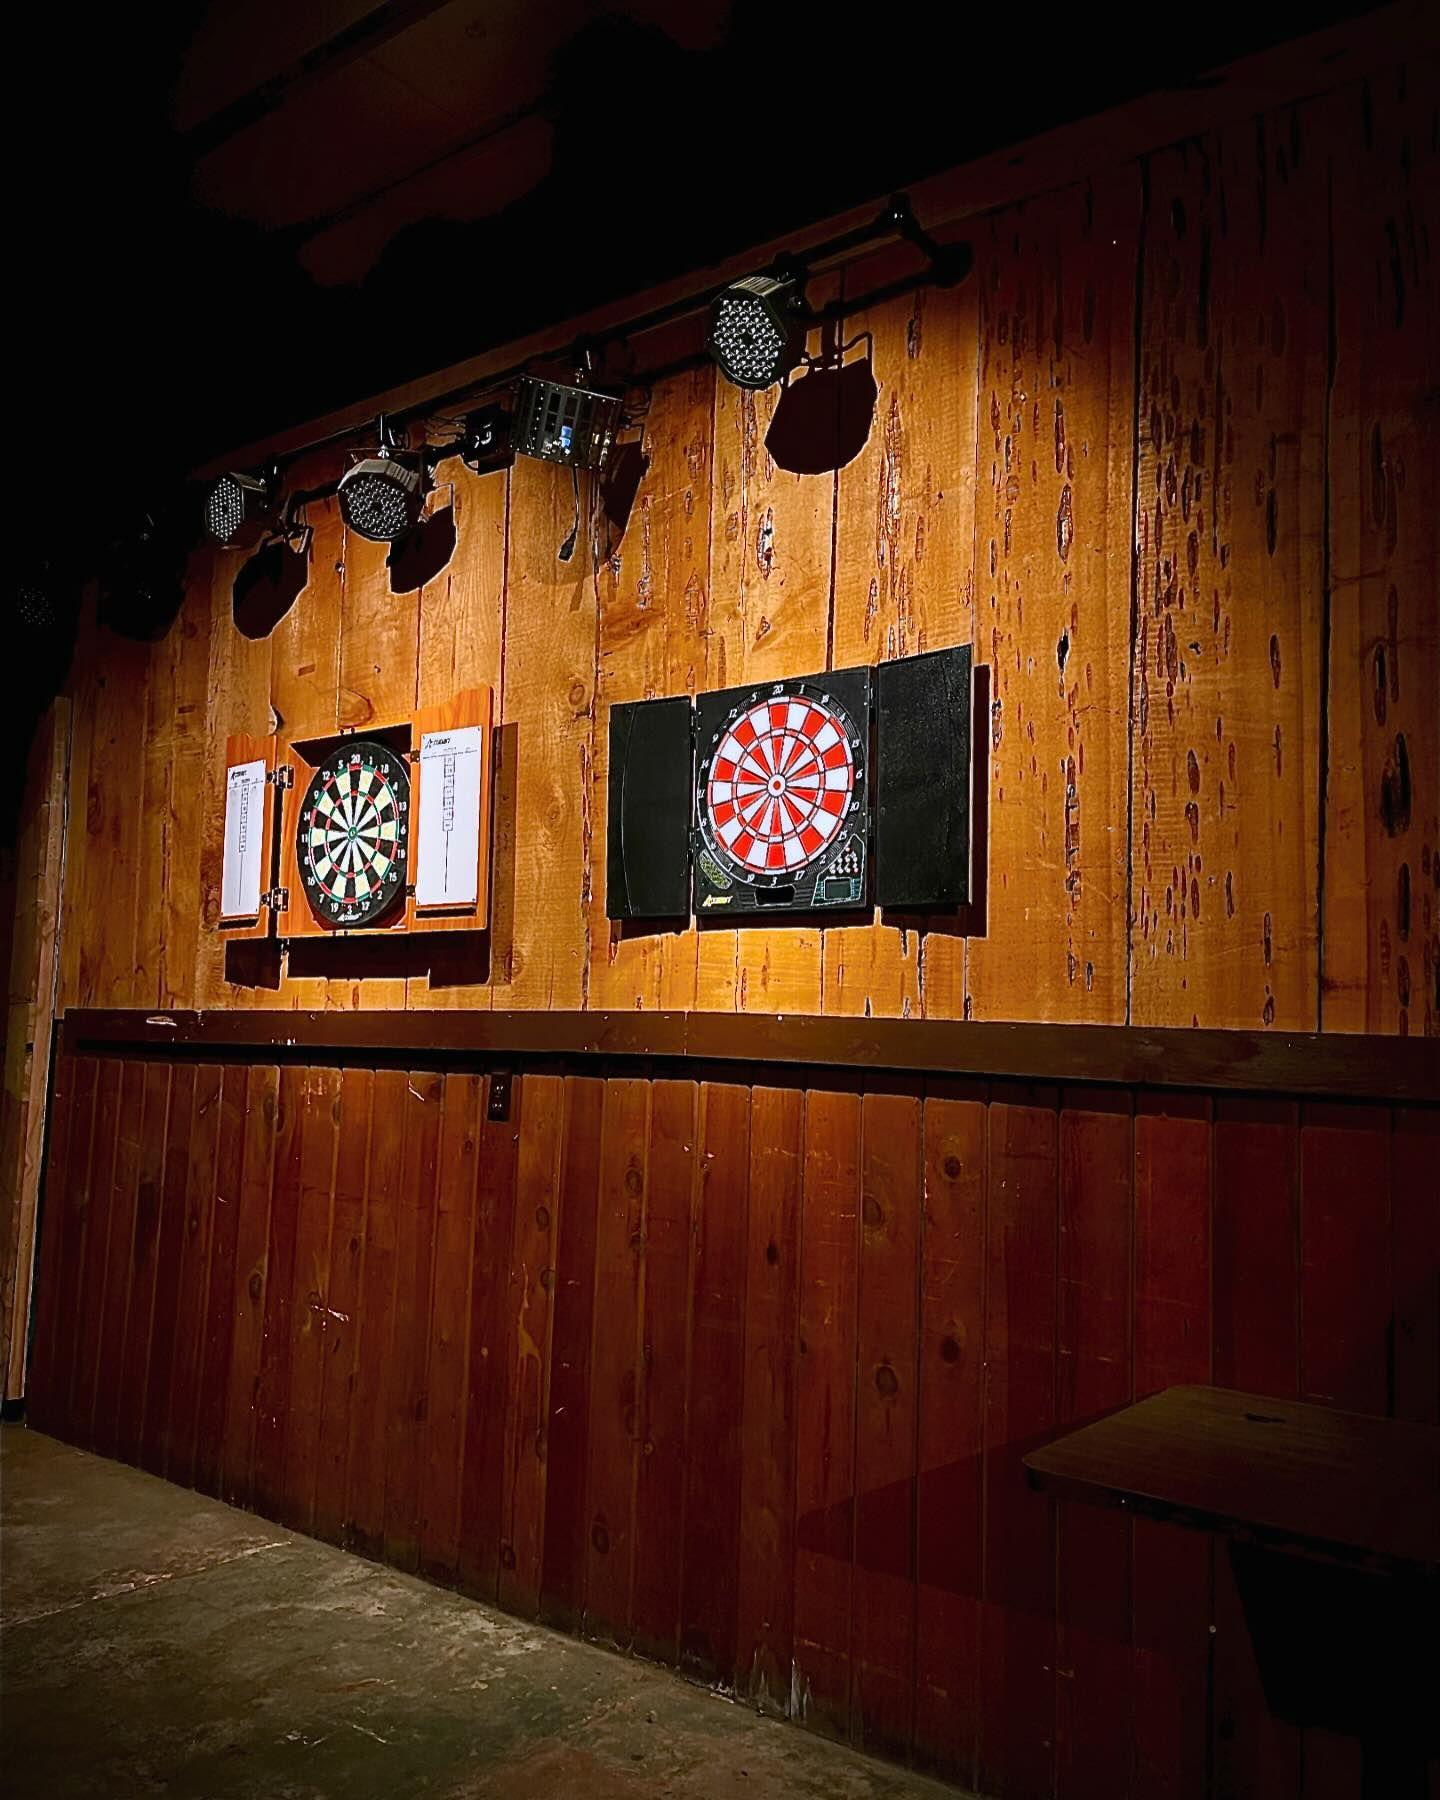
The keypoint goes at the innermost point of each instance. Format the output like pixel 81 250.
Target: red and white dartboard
pixel 780 792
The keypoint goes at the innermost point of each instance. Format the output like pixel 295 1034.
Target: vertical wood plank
pixel 342 1336
pixel 252 1238
pixel 537 1200
pixel 379 647
pixel 272 1394
pixel 654 640
pixel 310 1303
pixel 449 1339
pixel 482 1489
pixel 90 1299
pixel 1052 566
pixel 614 1359
pixel 120 1262
pixel 462 630
pixel 904 550
pixel 1382 792
pixel 1256 1247
pixel 193 1275
pixel 218 1332
pixel 1346 1291
pixel 549 697
pixel 825 1409
pixel 708 1595
pixel 1229 521
pixel 660 1483
pixel 1095 1698
pixel 149 1175
pixel 562 1588
pixel 72 1116
pixel 1257 1349
pixel 364 1525
pixel 1415 1262
pixel 766 1577
pixel 886 1418
pixel 1017 1721
pixel 169 1250
pixel 950 1436
pixel 33 973
pixel 410 1318
pixel 1171 1583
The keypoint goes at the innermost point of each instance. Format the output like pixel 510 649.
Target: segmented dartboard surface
pixel 779 784
pixel 353 834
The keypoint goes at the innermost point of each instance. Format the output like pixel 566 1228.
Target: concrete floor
pixel 155 1642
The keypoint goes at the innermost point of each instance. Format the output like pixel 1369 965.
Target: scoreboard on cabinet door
pixel 827 792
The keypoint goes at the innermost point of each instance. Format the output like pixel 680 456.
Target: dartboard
pixel 353 834
pixel 780 795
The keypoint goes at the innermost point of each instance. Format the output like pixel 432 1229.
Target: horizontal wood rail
pixel 1299 1063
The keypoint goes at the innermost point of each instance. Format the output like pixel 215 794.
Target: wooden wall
pixel 741 1376
pixel 1168 460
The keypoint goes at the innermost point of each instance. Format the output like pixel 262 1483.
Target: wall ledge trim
pixel 1332 1065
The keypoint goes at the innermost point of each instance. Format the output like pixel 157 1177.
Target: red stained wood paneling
pixel 743 1377
pixel 342 1330
pixel 1346 1296
pixel 117 1276
pixel 449 1335
pixel 135 1358
pixel 482 1479
pixel 1171 1586
pixel 217 1339
pixel 948 1493
pixel 262 1119
pixel 365 1485
pixel 886 1413
pixel 310 1295
pixel 562 1586
pixel 528 1353
pixel 708 1592
pixel 767 1458
pixel 405 1398
pixel 272 1393
pixel 825 1409
pixel 614 1359
pixel 155 1421
pixel 1256 1239
pixel 1017 1725
pixel 660 1481
pixel 1415 1264
pixel 72 1110
pixel 1095 1703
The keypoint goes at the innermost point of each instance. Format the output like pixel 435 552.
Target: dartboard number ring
pixel 354 833
pixel 781 783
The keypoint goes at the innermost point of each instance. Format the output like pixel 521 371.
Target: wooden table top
pixel 1305 1477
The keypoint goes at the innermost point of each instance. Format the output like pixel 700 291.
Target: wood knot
pixel 950 1350
pixel 599 1538
pixel 542 1217
pixel 872 1211
pixel 772 1254
pixel 887 1383
pixel 952 1167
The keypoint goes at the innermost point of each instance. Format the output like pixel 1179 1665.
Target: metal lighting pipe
pixel 948 264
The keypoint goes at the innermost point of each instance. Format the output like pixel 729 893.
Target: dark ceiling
pixel 237 215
